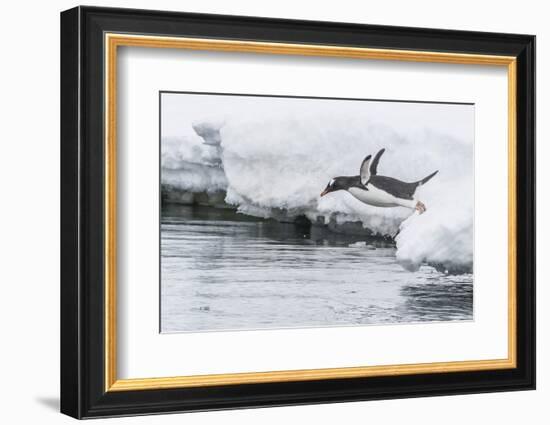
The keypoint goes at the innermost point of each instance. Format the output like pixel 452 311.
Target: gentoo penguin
pixel 380 191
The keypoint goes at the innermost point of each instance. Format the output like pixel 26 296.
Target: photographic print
pixel 308 196
pixel 294 212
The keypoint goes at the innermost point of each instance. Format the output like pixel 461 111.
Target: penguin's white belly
pixel 379 198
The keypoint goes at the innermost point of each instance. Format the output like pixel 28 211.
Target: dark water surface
pixel 225 271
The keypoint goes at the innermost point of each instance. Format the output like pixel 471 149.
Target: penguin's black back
pixel 394 187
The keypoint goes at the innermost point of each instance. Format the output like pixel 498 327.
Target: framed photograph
pixel 261 212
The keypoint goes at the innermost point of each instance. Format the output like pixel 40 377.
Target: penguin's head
pixel 333 185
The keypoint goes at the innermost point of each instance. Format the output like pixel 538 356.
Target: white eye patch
pixel 331 182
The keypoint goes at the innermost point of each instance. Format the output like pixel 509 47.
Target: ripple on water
pixel 223 272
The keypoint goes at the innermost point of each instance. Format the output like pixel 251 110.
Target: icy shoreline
pixel 352 234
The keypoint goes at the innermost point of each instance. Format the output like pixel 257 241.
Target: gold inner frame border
pixel 113 40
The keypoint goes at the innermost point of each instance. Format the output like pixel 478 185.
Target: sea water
pixel 221 270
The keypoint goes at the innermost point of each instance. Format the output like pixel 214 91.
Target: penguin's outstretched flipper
pixel 364 171
pixel 374 164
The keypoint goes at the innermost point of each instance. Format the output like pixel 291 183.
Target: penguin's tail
pixel 426 179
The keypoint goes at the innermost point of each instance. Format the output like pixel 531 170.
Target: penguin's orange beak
pixel 324 192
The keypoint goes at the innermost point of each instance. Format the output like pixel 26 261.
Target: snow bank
pixel 193 162
pixel 443 235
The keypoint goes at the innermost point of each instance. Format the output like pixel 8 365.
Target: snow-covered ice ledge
pixel 276 168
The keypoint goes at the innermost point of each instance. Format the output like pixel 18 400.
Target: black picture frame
pixel 83 392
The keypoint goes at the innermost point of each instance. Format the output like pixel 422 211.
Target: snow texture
pixel 274 160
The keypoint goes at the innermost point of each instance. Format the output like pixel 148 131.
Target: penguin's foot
pixel 420 207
